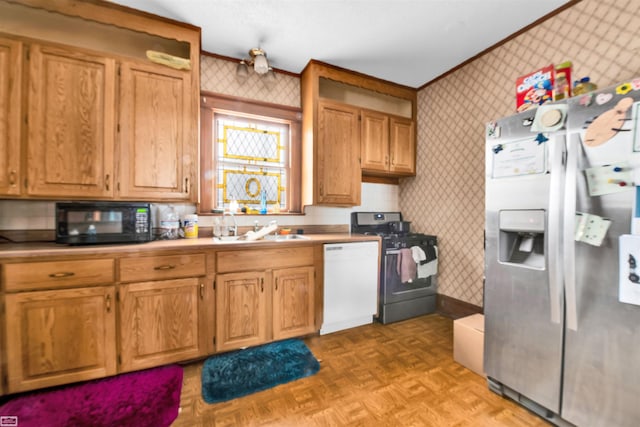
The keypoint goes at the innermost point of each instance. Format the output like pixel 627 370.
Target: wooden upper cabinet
pixel 81 130
pixel 10 101
pixel 375 141
pixel 338 155
pixel 402 146
pixel 388 144
pixel 329 95
pixel 71 123
pixel 157 149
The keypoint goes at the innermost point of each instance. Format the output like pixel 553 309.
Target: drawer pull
pixel 165 267
pixel 62 274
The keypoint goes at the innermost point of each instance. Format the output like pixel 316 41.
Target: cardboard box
pixel 535 88
pixel 468 342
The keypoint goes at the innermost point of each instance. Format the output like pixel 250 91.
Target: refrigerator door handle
pixel 569 247
pixel 553 229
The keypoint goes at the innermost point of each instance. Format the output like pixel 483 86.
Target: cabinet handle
pixel 108 302
pixel 320 190
pixel 276 284
pixel 12 178
pixel 107 182
pixel 186 185
pixel 261 284
pixel 201 290
pixel 165 267
pixel 62 274
pixel 386 160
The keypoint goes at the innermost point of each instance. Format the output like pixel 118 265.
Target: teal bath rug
pixel 239 373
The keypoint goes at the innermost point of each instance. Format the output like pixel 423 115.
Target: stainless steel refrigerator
pixel 562 298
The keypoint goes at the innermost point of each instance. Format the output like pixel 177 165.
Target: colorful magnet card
pixel 609 179
pixel 629 270
pixel 591 229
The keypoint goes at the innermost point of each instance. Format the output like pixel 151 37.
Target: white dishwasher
pixel 350 285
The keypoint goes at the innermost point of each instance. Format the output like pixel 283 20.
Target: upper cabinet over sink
pixel 355 128
pixel 88 114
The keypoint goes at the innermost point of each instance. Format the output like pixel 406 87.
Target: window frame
pixel 230 105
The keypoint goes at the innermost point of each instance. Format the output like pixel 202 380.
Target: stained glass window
pixel 251 162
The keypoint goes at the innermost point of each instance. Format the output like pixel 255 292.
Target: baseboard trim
pixel 455 308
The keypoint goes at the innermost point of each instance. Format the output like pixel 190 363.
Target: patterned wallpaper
pixel 218 76
pixel 446 198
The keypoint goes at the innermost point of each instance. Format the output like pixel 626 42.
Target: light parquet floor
pixel 401 374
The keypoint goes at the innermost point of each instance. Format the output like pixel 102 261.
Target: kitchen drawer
pixel 161 267
pixel 246 260
pixel 57 274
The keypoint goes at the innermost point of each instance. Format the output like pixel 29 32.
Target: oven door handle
pixel 392 251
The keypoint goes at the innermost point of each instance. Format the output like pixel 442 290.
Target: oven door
pixel 392 288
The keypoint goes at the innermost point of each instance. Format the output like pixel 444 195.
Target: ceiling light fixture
pixel 258 60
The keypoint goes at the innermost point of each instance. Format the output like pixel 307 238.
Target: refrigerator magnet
pixel 549 118
pixel 629 256
pixel 609 179
pixel 608 124
pixel 591 229
pixel 493 130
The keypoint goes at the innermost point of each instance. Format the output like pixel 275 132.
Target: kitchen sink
pixel 268 237
pixel 285 237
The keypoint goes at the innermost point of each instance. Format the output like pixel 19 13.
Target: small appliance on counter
pixel 90 223
pixel 408 272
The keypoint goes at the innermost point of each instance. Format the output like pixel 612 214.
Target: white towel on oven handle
pixel 428 269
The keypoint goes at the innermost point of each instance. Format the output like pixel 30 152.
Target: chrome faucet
pixel 235 224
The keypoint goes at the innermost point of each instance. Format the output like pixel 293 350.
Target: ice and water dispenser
pixel 522 235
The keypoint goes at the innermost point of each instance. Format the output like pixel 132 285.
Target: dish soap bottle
pixel 170 223
pixel 263 202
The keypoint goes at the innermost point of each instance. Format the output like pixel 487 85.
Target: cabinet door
pixel 157 149
pixel 160 322
pixel 375 141
pixel 10 101
pixel 338 155
pixel 241 310
pixel 71 123
pixel 59 337
pixel 293 302
pixel 402 146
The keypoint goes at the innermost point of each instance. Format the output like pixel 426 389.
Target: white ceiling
pixel 410 42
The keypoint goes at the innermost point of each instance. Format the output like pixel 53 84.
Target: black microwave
pixel 90 223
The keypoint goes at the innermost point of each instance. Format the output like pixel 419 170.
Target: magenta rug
pixel 145 398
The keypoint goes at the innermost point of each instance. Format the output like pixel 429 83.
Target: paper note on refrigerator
pixel 629 257
pixel 591 229
pixel 608 179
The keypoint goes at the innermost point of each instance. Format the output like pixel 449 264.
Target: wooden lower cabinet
pixel 241 309
pixel 260 306
pixel 160 322
pixel 59 336
pixel 293 302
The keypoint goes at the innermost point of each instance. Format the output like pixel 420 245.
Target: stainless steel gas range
pixel 408 273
